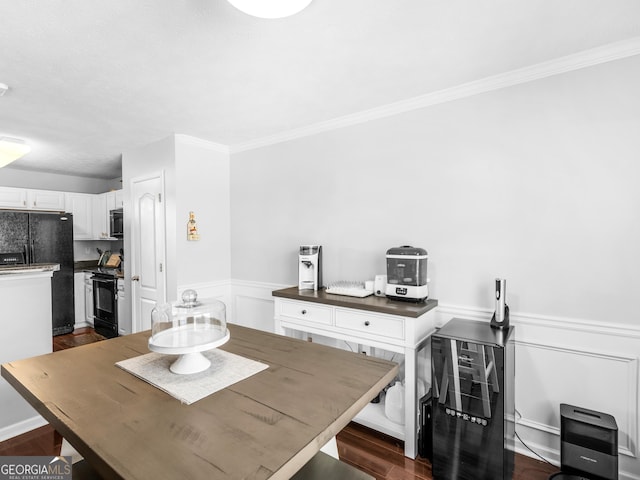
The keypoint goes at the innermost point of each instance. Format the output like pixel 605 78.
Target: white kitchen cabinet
pixel 45 200
pixel 88 298
pixel 28 199
pixel 100 217
pixel 81 206
pixel 102 206
pixel 13 197
pixel 400 327
pixel 114 199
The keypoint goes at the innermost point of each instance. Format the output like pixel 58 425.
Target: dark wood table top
pixel 370 303
pixel 266 426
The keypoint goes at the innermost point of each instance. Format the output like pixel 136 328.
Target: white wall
pixel 536 183
pixel 13 177
pixel 196 179
pixel 202 182
pixel 150 159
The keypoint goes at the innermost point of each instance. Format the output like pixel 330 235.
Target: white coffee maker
pixel 310 267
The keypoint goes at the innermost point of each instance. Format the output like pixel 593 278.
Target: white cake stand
pixel 188 341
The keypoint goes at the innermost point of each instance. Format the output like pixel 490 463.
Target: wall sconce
pixel 12 149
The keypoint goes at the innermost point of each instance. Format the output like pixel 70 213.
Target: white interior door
pixel 148 281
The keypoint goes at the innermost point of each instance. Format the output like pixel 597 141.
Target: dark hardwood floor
pixel 372 452
pixel 382 457
pixel 80 336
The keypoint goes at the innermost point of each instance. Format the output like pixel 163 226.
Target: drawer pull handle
pixel 304 312
pixel 367 323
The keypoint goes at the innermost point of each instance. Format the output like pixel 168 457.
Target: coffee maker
pixel 310 267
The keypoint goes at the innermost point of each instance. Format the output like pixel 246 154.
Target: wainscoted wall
pixel 558 360
pixel 532 183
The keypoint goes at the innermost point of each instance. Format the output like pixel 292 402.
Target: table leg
pixel 410 409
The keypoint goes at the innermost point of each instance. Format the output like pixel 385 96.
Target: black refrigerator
pixel 45 238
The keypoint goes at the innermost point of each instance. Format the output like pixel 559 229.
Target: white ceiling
pixel 90 79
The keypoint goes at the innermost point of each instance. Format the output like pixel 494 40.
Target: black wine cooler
pixel 472 404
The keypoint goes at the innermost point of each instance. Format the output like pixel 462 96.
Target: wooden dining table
pixel 266 426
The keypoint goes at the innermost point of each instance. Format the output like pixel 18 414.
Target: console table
pixel 395 326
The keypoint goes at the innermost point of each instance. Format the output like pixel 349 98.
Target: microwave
pixel 116 223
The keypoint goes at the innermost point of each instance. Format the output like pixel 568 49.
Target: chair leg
pixel 68 451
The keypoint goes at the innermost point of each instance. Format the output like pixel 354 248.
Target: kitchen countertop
pixel 34 267
pixel 84 265
pixel 371 303
pixel 92 266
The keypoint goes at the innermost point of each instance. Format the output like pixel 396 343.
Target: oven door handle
pixel 102 280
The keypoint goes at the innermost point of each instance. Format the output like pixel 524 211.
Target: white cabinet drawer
pixel 307 312
pixel 386 326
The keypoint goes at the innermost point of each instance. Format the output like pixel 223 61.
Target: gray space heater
pixel 588 444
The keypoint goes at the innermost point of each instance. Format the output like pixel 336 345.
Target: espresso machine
pixel 310 267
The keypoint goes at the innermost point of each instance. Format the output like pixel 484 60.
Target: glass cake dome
pixel 188 328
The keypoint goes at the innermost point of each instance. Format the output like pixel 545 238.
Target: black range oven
pixel 105 302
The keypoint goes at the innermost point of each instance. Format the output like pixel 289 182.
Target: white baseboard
pixel 21 427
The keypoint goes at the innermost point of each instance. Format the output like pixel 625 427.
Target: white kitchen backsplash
pixel 84 250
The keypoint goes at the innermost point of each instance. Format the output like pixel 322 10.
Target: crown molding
pixel 568 63
pixel 199 142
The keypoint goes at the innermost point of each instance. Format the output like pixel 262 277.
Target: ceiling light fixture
pixel 12 149
pixel 3 88
pixel 270 8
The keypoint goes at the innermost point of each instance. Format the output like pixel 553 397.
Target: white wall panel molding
pixel 558 360
pixel 613 376
pixel 447 311
pixel 576 61
pixel 256 289
pixel 253 304
pixel 216 289
pixel 220 290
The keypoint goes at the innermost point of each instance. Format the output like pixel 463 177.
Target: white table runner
pixel 226 369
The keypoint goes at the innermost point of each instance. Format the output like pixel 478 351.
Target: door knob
pixel 135 278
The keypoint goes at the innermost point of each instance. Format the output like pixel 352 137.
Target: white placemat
pixel 226 369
